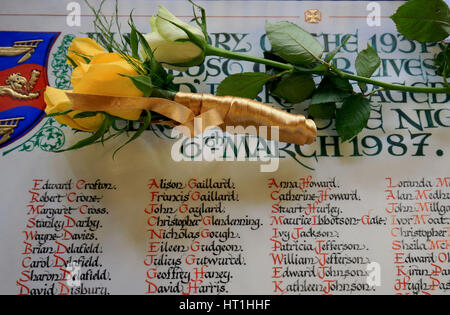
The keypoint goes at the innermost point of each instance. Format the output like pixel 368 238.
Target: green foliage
pixel 341 83
pixel 248 84
pixel 134 43
pixel 86 59
pixel 143 83
pixel 335 51
pixel 293 44
pixel 106 26
pixel 322 110
pixel 99 134
pixel 60 113
pixel 367 63
pixel 442 61
pixel 353 116
pixel 71 61
pixel 295 87
pixel 85 115
pixel 147 120
pixel 332 89
pixel 423 20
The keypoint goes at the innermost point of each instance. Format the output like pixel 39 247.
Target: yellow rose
pixel 102 76
pixel 57 102
pixel 83 46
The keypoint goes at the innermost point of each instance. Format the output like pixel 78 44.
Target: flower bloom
pixel 97 72
pixel 170 43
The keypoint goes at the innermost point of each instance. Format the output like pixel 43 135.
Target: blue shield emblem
pixel 23 78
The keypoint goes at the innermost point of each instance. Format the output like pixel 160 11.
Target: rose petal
pixel 57 101
pixel 105 79
pixel 170 31
pixel 83 46
pixel 78 73
pixel 172 52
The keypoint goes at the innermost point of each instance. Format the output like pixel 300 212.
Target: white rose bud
pixel 171 43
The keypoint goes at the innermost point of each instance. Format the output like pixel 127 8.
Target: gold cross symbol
pixel 313 16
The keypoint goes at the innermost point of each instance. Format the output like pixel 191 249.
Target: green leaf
pixel 248 84
pixel 111 136
pixel 332 54
pixel 99 134
pixel 60 113
pixel 322 111
pixel 295 87
pixel 320 68
pixel 148 51
pixel 423 20
pixel 72 62
pixel 85 57
pixel 142 82
pixel 442 61
pixel 146 123
pixel 85 115
pixel 293 44
pixel 134 43
pixel 353 116
pixel 158 75
pixel 341 83
pixel 367 63
pixel 332 89
pixel 324 96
